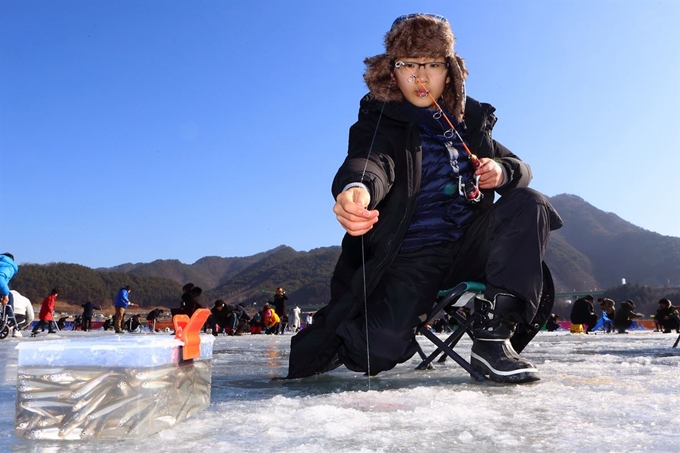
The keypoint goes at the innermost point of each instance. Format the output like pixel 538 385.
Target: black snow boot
pixel 492 352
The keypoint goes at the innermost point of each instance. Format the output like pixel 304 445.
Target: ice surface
pixel 598 393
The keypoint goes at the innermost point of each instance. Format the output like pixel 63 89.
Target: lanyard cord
pixel 471 191
pixel 440 113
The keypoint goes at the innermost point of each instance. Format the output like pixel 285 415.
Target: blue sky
pixel 132 131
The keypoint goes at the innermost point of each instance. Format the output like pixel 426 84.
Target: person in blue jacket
pixel 7 270
pixel 121 304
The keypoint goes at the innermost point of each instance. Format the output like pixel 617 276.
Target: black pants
pixel 86 323
pixel 504 248
pixel 670 323
pixel 42 324
pixel 622 325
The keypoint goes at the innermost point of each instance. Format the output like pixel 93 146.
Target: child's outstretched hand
pixel 350 210
pixel 490 174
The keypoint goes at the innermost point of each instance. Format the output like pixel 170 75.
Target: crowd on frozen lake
pixel 600 393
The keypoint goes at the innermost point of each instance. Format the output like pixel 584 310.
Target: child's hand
pixel 350 210
pixel 490 174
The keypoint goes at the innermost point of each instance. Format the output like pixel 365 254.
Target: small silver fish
pixel 136 409
pixel 38 371
pixel 143 417
pixel 145 375
pixel 124 388
pixel 26 385
pixel 46 403
pixel 155 384
pixel 91 385
pixel 86 400
pixel 59 394
pixel 105 409
pixel 48 433
pixel 61 378
pixel 74 419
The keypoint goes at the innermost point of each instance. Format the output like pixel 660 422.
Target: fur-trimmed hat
pixel 418 35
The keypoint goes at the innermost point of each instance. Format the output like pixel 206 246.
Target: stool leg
pixel 454 355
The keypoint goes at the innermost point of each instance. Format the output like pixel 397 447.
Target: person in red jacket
pixel 46 313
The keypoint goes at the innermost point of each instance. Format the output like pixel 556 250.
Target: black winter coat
pixel 625 313
pixel 393 173
pixel 393 176
pixel 88 309
pixel 582 312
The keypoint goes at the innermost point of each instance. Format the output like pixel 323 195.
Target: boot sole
pixel 519 376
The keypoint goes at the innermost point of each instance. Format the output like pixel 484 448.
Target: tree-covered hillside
pixel 592 252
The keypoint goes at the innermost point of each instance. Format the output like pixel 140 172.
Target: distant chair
pixel 576 328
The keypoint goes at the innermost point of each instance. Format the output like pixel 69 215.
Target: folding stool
pixel 449 301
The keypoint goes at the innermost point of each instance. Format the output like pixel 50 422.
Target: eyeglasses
pixel 431 67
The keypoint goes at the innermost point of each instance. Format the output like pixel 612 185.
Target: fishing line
pixel 363 253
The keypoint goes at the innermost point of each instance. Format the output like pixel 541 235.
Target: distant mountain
pixel 593 251
pixel 304 275
pixel 208 272
pixel 596 249
pixel 78 284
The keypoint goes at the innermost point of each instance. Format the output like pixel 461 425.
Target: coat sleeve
pixel 481 119
pixel 368 161
pixel 517 171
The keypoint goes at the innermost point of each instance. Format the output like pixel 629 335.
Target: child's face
pixel 433 78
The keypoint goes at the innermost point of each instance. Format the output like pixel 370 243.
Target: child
pixel 419 214
pixel 270 320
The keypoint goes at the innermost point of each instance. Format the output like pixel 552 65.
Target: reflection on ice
pixel 597 393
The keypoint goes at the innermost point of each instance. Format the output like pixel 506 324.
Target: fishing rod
pixel 470 191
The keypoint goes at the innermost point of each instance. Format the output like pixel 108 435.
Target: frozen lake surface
pixel 597 393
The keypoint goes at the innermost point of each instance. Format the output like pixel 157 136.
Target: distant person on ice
pixel 296 319
pixel 121 304
pixel 46 315
pixel 152 317
pixel 583 312
pixel 192 299
pixel 667 316
pixel 625 315
pixel 7 270
pixel 553 323
pixel 23 312
pixel 419 214
pixel 88 313
pixel 280 299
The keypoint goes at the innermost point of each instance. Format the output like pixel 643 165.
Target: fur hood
pixel 418 35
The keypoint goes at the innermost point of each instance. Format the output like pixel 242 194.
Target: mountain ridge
pixel 593 251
